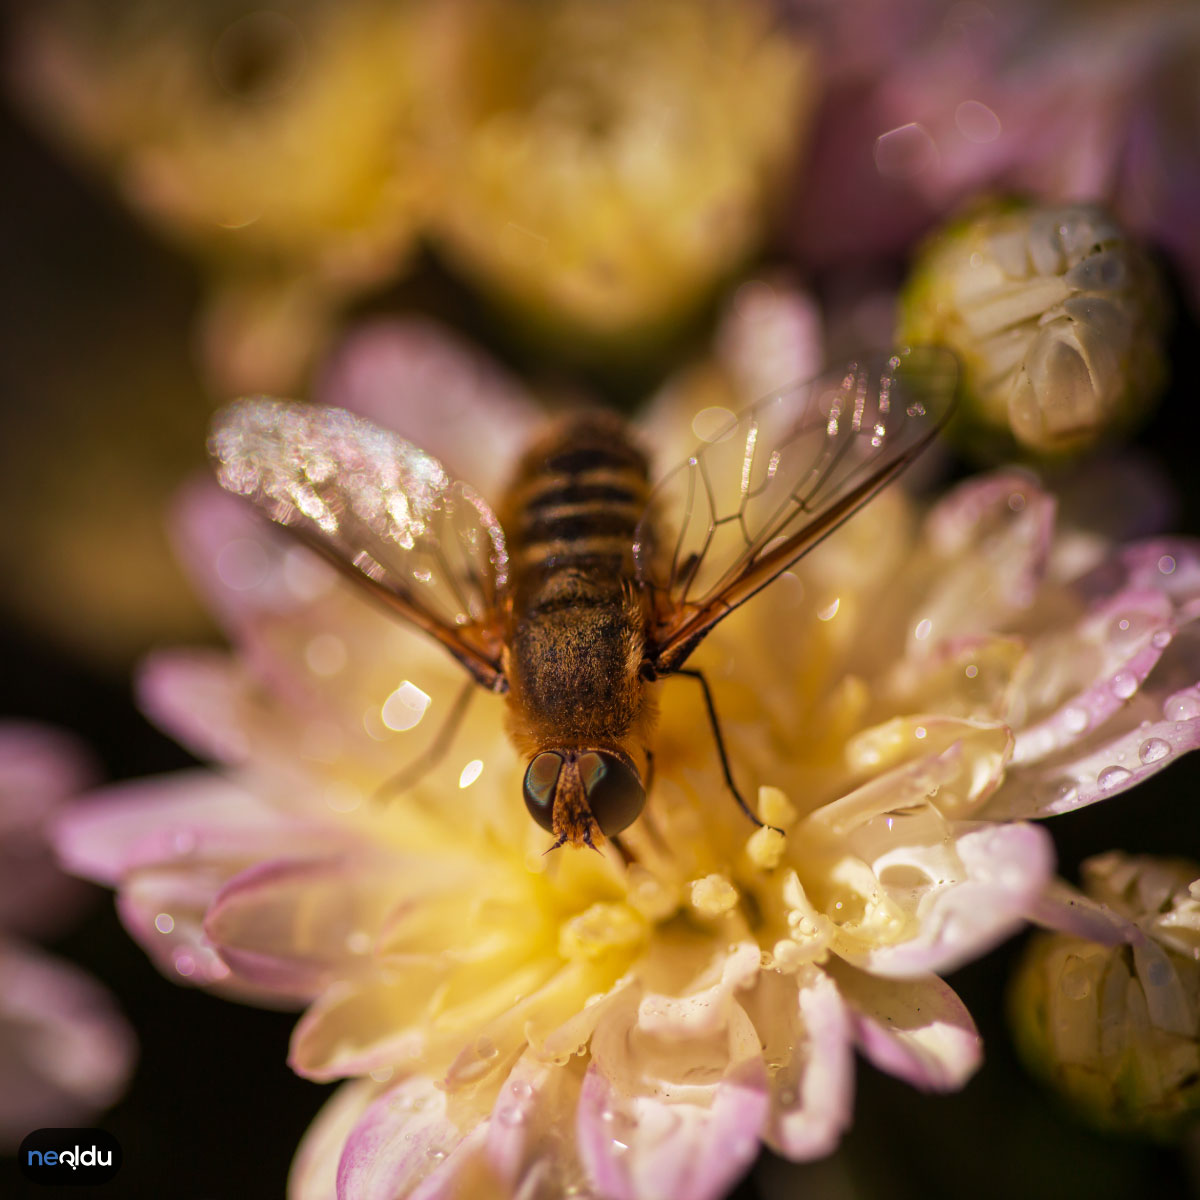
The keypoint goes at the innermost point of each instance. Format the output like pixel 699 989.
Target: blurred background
pixel 200 200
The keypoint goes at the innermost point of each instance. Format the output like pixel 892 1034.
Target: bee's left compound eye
pixel 614 792
pixel 541 782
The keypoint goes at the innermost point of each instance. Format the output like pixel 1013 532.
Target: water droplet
pixel 1075 983
pixel 1153 750
pixel 470 773
pixel 164 922
pixel 1112 777
pixel 486 1048
pixel 381 1074
pixel 1076 719
pixel 183 841
pixel 1124 684
pixel 1182 706
pixel 434 1154
pixel 1166 564
pixel 971 671
pixel 358 942
pixel 405 707
pixel 1066 791
pixel 511 1116
pixel 1162 639
pixel 922 630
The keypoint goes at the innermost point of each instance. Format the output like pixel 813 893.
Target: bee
pixel 592 582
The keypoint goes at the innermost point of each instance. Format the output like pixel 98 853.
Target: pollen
pixel 713 896
pixel 765 846
pixel 600 929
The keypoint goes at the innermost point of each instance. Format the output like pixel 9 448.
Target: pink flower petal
pixel 992 536
pixel 431 387
pixel 298 924
pixel 357 1027
pixel 187 817
pixel 644 1134
pixel 1005 868
pixel 65 1050
pixel 40 767
pixel 403 1140
pixel 1064 910
pixel 916 1029
pixel 647 1148
pixel 193 696
pixel 1117 644
pixel 313 1175
pixel 525 1147
pixel 812 1095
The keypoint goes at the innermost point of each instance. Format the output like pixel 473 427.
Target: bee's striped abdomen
pixel 577 502
pixel 577 620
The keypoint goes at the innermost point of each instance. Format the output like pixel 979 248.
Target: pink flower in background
pixel 1067 102
pixel 65 1051
pixel 511 1023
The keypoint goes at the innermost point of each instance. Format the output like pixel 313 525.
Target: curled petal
pixel 642 1147
pixel 916 1029
pixel 313 1175
pixel 812 1094
pixel 296 924
pixel 405 1144
pixel 992 538
pixel 1003 870
pixel 191 817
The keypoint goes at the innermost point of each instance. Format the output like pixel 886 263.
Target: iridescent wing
pixel 776 480
pixel 382 511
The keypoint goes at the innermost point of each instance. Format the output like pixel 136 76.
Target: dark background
pixel 94 342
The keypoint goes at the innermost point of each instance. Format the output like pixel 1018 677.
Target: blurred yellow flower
pixel 278 145
pixel 1057 317
pixel 609 163
pixel 1108 1012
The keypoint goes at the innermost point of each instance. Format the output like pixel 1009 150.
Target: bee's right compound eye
pixel 541 783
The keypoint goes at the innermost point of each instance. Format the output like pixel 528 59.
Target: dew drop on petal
pixel 1076 719
pixel 1124 684
pixel 1162 639
pixel 1166 564
pixel 1112 777
pixel 470 773
pixel 381 1074
pixel 405 707
pixel 1075 982
pixel 185 964
pixel 1153 750
pixel 1182 706
pixel 164 922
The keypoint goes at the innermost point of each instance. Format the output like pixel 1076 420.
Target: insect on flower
pixel 589 585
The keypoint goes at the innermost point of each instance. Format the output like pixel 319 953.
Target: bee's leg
pixel 716 728
pixel 424 763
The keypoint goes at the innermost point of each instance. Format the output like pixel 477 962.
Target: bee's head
pixel 576 793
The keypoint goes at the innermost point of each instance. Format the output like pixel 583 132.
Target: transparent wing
pixel 775 481
pixel 378 508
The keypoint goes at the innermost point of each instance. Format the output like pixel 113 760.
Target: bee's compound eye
pixel 541 782
pixel 614 792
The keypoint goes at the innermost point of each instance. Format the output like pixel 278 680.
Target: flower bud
pixel 1057 317
pixel 1116 1028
